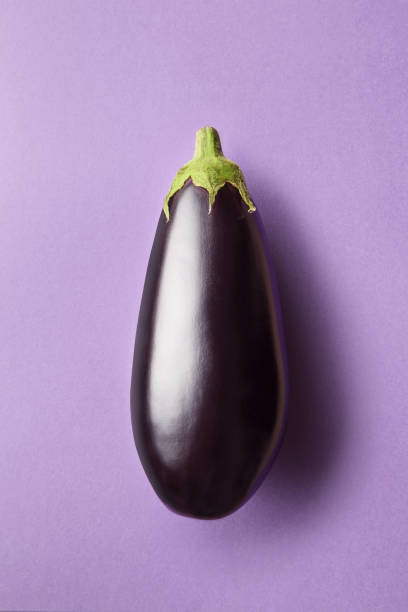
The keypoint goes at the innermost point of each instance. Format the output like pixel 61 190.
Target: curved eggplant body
pixel 209 383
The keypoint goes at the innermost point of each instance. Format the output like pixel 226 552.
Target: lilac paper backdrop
pixel 99 105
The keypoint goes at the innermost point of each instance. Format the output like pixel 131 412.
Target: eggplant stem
pixel 209 169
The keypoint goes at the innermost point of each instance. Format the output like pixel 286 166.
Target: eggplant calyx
pixel 209 169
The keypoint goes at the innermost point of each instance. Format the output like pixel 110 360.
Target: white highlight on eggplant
pixel 175 338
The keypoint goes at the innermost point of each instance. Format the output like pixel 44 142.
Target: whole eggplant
pixel 209 381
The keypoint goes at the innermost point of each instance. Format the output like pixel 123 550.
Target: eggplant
pixel 209 380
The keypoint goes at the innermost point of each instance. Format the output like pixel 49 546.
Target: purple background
pixel 99 105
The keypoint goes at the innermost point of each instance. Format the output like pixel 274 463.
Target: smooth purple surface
pixel 99 106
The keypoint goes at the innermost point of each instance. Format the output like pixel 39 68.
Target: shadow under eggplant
pixel 317 416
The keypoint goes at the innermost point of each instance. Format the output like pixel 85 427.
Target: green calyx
pixel 209 169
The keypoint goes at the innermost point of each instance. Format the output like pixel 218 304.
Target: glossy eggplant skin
pixel 209 380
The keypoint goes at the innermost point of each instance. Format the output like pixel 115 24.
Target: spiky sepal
pixel 209 169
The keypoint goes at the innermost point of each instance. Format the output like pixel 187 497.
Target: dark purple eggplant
pixel 209 382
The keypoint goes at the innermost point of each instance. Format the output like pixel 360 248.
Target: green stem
pixel 207 143
pixel 209 169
